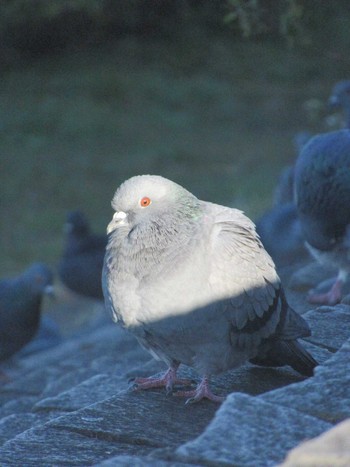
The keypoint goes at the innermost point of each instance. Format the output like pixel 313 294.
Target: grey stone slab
pixel 32 383
pixel 330 326
pixel 331 449
pixel 135 357
pixel 320 354
pixel 48 380
pixel 147 368
pixel 130 423
pixel 17 405
pixel 82 349
pixel 109 363
pixel 168 455
pixel 144 418
pixel 254 380
pixel 123 461
pixel 67 381
pixel 48 447
pixel 248 431
pixel 66 364
pixel 76 314
pixel 326 395
pixel 12 425
pixel 91 391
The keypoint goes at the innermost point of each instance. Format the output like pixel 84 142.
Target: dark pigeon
pixel 322 183
pixel 284 192
pixel 20 307
pixel 340 99
pixel 281 234
pixel 48 335
pixel 80 267
pixel 279 228
pixel 192 281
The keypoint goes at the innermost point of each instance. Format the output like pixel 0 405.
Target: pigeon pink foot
pixel 167 380
pixel 332 297
pixel 202 391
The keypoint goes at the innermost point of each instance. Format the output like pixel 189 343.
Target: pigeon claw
pixel 167 380
pixel 202 391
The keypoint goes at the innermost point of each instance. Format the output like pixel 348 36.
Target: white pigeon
pixel 192 281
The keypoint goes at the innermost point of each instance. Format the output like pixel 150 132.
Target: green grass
pixel 215 116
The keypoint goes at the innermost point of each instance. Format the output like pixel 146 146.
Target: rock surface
pixel 70 404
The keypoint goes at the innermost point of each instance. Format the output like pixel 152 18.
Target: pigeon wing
pixel 243 271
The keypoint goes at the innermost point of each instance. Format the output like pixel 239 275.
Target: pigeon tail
pixel 288 352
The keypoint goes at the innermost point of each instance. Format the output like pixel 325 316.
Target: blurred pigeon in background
pixel 48 335
pixel 279 228
pixel 80 267
pixel 20 306
pixel 340 99
pixel 322 183
pixel 281 234
pixel 284 192
pixel 191 280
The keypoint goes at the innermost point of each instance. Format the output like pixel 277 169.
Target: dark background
pixel 207 93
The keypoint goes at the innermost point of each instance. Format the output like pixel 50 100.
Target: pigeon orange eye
pixel 145 201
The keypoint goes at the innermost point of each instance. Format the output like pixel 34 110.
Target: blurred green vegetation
pixel 297 22
pixel 193 103
pixel 41 26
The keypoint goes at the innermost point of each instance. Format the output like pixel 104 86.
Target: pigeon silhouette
pixel 20 307
pixel 322 187
pixel 192 281
pixel 80 266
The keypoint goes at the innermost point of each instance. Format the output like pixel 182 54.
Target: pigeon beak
pixel 118 219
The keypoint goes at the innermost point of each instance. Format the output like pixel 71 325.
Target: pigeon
pixel 340 99
pixel 322 188
pixel 80 267
pixel 279 227
pixel 280 232
pixel 193 283
pixel 284 192
pixel 47 336
pixel 20 307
